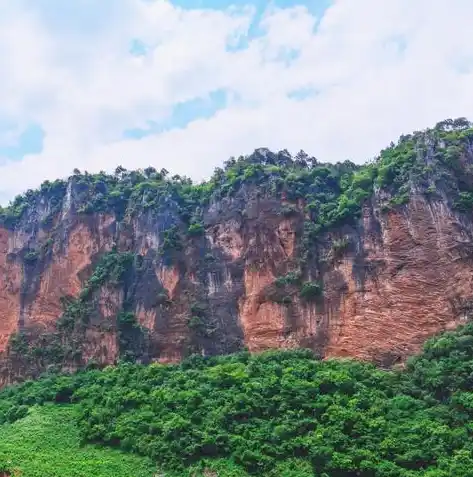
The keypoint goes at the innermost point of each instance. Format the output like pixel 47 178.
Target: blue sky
pixel 72 18
pixel 205 107
pixel 184 84
pixel 182 114
pixel 316 6
pixel 28 141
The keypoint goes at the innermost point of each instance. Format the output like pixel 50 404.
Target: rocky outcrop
pixel 409 282
pixel 380 286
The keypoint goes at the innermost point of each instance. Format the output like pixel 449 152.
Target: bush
pixel 311 290
pixel 291 278
pixel 31 257
pixel 465 202
pixel 196 229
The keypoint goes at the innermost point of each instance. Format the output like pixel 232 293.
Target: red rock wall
pixel 408 275
pixel 423 286
pixel 10 285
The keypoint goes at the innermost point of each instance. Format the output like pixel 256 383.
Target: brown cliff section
pixel 413 281
pixel 385 283
pixel 35 292
pixel 404 276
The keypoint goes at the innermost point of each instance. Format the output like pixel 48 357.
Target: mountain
pixel 273 251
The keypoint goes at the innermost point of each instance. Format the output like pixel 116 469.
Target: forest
pixel 279 413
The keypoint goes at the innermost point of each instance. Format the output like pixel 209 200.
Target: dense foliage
pixel 437 162
pixel 47 444
pixel 279 413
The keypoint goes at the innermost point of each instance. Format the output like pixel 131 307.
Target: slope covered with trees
pixel 274 414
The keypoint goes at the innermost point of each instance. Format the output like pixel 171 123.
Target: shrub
pixel 196 229
pixel 31 257
pixel 465 202
pixel 311 290
pixel 277 413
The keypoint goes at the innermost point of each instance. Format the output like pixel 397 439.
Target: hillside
pixel 276 414
pixel 46 443
pixel 272 252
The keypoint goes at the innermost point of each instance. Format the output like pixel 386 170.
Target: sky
pixel 186 84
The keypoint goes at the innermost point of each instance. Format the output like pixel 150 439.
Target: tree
pixel 120 170
pixel 149 171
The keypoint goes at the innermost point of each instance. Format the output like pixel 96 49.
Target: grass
pixel 46 443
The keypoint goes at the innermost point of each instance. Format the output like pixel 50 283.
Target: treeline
pixel 333 193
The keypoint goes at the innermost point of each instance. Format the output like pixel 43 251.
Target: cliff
pixel 273 252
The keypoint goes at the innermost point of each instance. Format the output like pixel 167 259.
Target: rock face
pixel 387 282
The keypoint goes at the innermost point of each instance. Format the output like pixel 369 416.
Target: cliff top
pixel 433 160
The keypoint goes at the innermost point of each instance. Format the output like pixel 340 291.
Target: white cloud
pixel 379 68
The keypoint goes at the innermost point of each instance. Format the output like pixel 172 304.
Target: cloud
pixel 339 85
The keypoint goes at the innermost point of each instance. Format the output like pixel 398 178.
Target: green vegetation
pixel 288 285
pixel 311 290
pixel 278 413
pixel 112 269
pixel 52 192
pixel 196 229
pixel 291 278
pixel 171 241
pixel 130 336
pixel 465 202
pixel 199 322
pixel 427 156
pixel 338 248
pixel 31 256
pixel 46 443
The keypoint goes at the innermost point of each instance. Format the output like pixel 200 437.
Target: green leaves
pixel 46 442
pixel 277 413
pixel 311 290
